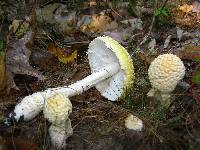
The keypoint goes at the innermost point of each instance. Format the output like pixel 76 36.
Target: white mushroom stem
pixel 86 83
pixel 32 105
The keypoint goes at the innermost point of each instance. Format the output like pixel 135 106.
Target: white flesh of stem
pixel 86 83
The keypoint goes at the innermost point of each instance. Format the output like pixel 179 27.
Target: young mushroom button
pixel 164 74
pixel 112 73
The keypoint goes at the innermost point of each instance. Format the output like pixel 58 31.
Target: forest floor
pixel 59 30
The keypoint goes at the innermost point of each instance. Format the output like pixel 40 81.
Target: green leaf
pixel 196 76
pixel 164 12
pixel 197 59
pixel 157 12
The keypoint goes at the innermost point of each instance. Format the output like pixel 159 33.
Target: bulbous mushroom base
pixel 164 98
pixel 59 134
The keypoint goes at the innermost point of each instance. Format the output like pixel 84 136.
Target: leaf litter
pixel 59 55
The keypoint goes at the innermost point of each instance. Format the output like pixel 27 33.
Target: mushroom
pixel 133 123
pixel 134 132
pixel 164 74
pixel 59 134
pixel 112 74
pixel 57 110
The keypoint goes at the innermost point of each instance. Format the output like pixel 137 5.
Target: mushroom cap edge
pixel 126 71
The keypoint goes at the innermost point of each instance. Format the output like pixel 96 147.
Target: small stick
pixel 151 26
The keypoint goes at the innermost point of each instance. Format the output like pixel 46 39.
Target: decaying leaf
pixel 184 16
pixel 19 27
pixel 64 55
pixel 185 8
pixel 17 60
pixel 167 41
pixel 151 45
pixel 135 23
pixel 190 52
pixel 115 35
pixel 16 143
pixel 46 14
pixel 97 23
pixel 196 7
pixel 179 33
pixel 2 64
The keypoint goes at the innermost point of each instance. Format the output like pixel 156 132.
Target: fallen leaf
pixel 179 32
pixel 46 14
pixel 17 60
pixel 93 3
pixel 52 49
pixel 115 35
pixel 97 23
pixel 151 45
pixel 190 52
pixel 17 143
pixel 67 21
pixel 19 27
pixel 135 23
pixel 196 7
pixel 167 41
pixel 65 55
pixel 184 16
pixel 185 8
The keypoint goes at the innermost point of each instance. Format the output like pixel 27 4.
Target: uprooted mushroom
pixel 57 110
pixel 112 74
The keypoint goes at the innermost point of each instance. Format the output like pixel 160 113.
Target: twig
pixel 151 26
pixel 164 4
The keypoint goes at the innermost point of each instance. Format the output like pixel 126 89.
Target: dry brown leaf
pixel 17 60
pixel 98 23
pixel 17 143
pixel 186 8
pixel 184 16
pixel 92 3
pixel 19 27
pixel 190 52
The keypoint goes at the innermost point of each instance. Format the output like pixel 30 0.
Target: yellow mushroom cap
pixel 57 108
pixel 165 72
pixel 104 51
